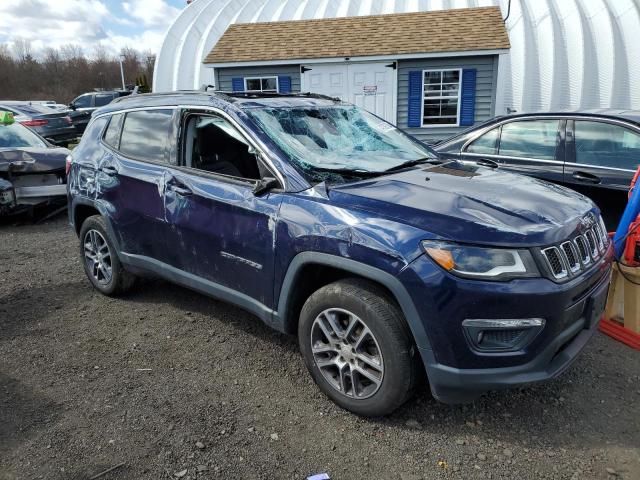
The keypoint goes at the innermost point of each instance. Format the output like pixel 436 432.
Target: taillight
pixel 67 165
pixel 35 123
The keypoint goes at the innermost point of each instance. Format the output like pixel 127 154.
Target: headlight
pixel 481 263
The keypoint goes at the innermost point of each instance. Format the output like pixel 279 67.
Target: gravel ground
pixel 171 384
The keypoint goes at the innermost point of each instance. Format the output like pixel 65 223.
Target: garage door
pixel 368 85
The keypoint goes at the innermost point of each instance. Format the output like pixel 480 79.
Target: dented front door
pixel 221 232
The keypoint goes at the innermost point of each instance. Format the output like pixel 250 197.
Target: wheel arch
pixel 292 296
pixel 83 208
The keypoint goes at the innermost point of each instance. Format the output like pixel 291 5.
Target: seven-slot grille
pixel 577 253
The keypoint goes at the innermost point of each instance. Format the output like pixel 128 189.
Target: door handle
pixel 180 190
pixel 586 177
pixel 109 170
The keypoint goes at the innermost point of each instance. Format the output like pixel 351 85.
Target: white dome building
pixel 563 54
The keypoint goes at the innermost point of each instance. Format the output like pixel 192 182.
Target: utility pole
pixel 124 87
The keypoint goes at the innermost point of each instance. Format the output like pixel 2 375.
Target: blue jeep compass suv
pixel 326 221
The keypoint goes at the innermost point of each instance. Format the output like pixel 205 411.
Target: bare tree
pixel 22 49
pixel 62 74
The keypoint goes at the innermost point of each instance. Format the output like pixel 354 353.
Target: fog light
pixel 499 323
pixel 501 335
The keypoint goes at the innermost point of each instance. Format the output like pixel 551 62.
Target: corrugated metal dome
pixel 565 54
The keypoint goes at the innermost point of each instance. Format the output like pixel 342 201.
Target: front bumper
pixel 456 385
pixel 458 374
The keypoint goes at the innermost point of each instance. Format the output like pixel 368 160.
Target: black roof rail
pixel 275 95
pixel 228 96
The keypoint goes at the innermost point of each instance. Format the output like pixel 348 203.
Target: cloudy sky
pixel 113 23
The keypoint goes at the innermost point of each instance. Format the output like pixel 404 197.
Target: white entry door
pixel 367 85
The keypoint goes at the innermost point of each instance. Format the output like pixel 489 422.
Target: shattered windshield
pixel 327 142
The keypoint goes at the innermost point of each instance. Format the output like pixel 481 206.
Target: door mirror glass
pixel 606 145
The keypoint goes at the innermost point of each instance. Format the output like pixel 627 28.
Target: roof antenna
pixel 205 88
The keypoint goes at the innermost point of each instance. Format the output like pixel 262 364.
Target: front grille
pixel 555 261
pixel 576 254
pixel 503 337
pixel 569 250
pixel 591 240
pixel 581 243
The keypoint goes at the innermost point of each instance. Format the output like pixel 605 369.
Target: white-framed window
pixel 441 97
pixel 261 84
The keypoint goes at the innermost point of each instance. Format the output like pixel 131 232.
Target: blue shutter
pixel 284 84
pixel 414 113
pixel 468 97
pixel 237 84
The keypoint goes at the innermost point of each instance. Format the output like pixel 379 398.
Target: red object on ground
pixel 618 332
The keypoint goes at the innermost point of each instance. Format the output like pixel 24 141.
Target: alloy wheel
pixel 347 353
pixel 97 257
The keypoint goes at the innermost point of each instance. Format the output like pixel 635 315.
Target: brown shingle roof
pixel 463 29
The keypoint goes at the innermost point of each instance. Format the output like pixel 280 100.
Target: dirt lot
pixel 88 382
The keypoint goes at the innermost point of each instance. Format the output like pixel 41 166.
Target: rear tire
pixel 100 259
pixel 357 347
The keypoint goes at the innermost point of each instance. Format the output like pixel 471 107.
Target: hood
pixel 471 204
pixel 30 160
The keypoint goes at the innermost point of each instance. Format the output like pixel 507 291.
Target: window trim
pixel 91 97
pixel 255 142
pixel 465 147
pixel 104 133
pixel 97 94
pixel 482 131
pixel 262 78
pixel 117 151
pixel 441 70
pixel 147 160
pixel 558 141
pixel 609 121
pixel 184 115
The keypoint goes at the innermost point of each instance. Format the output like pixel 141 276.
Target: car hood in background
pixel 33 159
pixel 471 204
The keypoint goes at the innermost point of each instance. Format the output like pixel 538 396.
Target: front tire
pixel 100 259
pixel 357 347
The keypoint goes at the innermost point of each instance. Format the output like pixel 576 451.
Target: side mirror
pixel 264 185
pixel 72 106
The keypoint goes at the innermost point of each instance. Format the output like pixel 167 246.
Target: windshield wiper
pixel 417 161
pixel 485 162
pixel 348 171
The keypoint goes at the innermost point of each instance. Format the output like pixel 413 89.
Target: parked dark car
pixel 56 127
pixel 84 105
pixel 32 172
pixel 326 221
pixel 594 152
